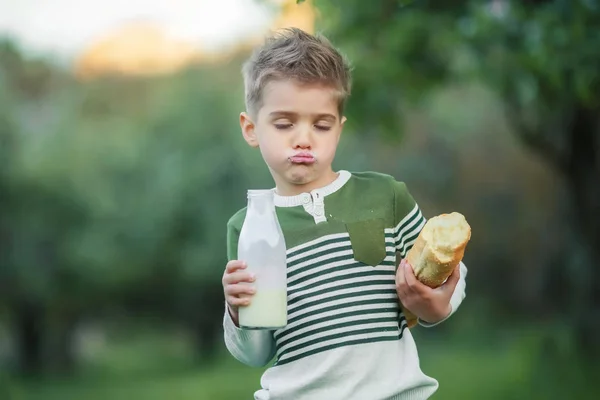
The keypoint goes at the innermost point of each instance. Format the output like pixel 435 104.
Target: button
pixel 318 212
pixel 306 198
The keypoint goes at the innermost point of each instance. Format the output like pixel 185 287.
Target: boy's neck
pixel 289 189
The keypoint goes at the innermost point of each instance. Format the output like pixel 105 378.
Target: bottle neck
pixel 261 201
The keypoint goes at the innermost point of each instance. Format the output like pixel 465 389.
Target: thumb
pixel 453 279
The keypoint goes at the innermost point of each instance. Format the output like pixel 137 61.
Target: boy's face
pixel 297 130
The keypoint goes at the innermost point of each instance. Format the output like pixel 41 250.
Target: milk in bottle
pixel 262 246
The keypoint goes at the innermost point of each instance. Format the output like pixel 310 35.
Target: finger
pixel 453 279
pixel 234 265
pixel 237 277
pixel 412 282
pixel 400 278
pixel 239 289
pixel 238 301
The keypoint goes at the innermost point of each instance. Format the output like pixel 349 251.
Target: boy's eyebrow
pixel 325 116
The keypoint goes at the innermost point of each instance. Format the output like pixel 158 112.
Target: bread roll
pixel 439 248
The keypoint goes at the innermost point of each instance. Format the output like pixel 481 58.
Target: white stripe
pixel 321 273
pixel 385 297
pixel 341 281
pixel 407 245
pixel 331 315
pixel 319 335
pixel 337 292
pixel 403 325
pixel 341 278
pixel 413 232
pixel 317 241
pixel 322 268
pixel 349 260
pixel 399 232
pixel 352 318
pixel 315 251
pixel 311 261
pixel 390 334
pixel 407 217
pixel 409 227
pixel 388 241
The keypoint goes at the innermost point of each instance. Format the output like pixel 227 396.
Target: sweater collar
pixel 316 194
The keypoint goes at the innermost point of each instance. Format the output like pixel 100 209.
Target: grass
pixel 153 368
pixel 224 381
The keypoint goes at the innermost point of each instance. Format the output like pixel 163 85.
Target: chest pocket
pixel 368 240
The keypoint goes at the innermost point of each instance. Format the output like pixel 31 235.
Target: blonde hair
pixel 292 54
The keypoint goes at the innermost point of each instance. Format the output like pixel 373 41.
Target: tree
pixel 542 58
pixel 112 193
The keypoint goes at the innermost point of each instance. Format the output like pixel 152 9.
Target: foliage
pixel 542 61
pixel 540 56
pixel 112 194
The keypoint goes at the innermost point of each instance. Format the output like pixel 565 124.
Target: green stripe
pixel 337 345
pixel 317 245
pixel 407 240
pixel 284 332
pixel 414 231
pixel 341 287
pixel 336 326
pixel 354 265
pixel 361 274
pixel 321 263
pixel 348 305
pixel 347 246
pixel 318 264
pixel 408 249
pixel 327 242
pixel 338 336
pixel 343 344
pixel 301 229
pixel 343 296
pixel 407 223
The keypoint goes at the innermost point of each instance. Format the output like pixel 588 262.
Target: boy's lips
pixel 302 158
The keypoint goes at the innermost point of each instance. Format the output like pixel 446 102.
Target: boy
pixel 346 336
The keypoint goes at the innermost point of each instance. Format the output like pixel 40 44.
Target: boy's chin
pixel 300 175
pixel 299 178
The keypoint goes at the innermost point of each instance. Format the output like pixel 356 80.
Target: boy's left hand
pixel 430 305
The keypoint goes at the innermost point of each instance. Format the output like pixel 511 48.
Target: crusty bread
pixel 437 251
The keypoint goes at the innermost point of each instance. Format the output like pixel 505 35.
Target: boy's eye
pixel 283 126
pixel 322 127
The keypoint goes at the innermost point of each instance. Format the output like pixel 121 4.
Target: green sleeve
pixel 234 226
pixel 408 219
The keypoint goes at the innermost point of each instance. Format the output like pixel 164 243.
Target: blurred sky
pixel 62 28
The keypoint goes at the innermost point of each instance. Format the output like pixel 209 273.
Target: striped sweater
pixel 346 336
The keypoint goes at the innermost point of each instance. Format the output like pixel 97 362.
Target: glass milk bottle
pixel 262 246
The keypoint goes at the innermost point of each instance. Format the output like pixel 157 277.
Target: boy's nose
pixel 302 140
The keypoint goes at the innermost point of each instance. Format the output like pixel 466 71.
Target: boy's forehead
pixel 293 97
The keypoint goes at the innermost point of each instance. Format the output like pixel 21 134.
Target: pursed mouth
pixel 302 159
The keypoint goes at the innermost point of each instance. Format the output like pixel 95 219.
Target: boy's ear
pixel 248 130
pixel 342 121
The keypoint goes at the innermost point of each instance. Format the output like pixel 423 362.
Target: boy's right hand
pixel 236 287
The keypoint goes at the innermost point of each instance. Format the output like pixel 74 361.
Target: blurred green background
pixel 115 192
